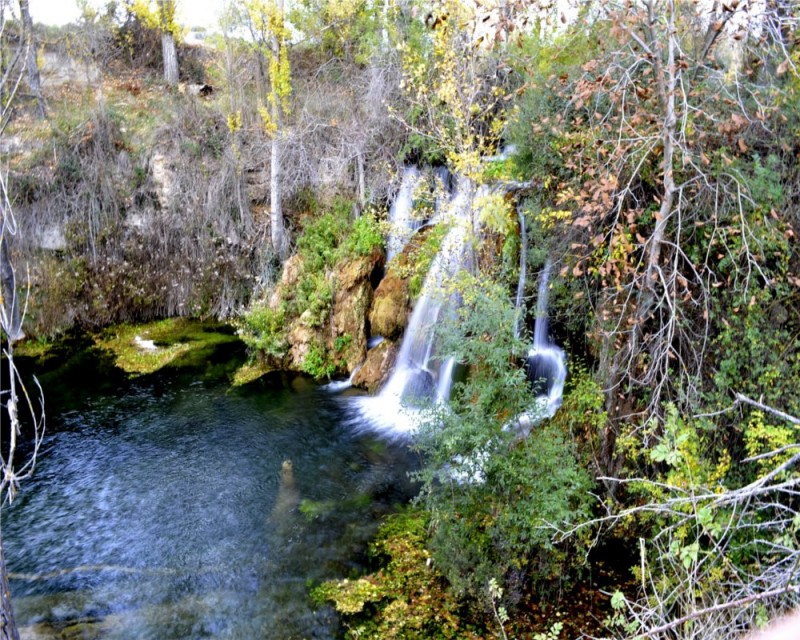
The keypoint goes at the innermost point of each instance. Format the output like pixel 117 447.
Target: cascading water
pixel 403 224
pixel 546 363
pixel 423 374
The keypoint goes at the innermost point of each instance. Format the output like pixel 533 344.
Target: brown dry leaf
pixel 742 145
pixel 783 67
pixel 739 121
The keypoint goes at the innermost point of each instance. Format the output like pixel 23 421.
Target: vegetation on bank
pixel 655 163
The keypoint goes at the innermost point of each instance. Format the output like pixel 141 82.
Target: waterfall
pixel 403 224
pixel 423 374
pixel 546 363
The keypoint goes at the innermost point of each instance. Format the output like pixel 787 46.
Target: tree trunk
pixel 170 55
pixel 8 625
pixel 667 82
pixel 12 322
pixel 362 181
pixel 31 66
pixel 279 243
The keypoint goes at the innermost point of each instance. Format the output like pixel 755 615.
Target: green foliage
pixel 421 257
pixel 333 236
pixel 406 599
pixel 314 298
pixel 347 29
pixel 263 329
pixel 365 236
pixel 318 363
pixel 491 491
pixel 582 416
pixel 320 239
pixel 553 633
pixel 535 124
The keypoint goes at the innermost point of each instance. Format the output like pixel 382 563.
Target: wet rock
pixel 377 367
pixel 390 306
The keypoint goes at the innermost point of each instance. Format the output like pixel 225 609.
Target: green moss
pixel 420 259
pixel 37 348
pixel 312 509
pixel 175 340
pixel 249 372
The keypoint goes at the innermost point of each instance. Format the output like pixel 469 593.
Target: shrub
pixel 262 329
pixel 405 599
pixel 492 493
pixel 318 363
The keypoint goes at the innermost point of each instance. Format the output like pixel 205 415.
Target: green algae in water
pixel 145 348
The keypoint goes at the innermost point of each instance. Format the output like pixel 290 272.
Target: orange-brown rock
pixel 389 313
pixel 377 367
pixel 300 337
pixel 351 303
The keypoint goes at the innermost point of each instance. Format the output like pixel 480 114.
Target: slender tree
pixel 160 18
pixel 266 21
pixel 166 18
pixel 14 397
pixel 31 65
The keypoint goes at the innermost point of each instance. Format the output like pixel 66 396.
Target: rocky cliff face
pixel 359 311
pixel 343 335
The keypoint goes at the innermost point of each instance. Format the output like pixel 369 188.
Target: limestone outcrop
pixel 377 367
pixel 389 313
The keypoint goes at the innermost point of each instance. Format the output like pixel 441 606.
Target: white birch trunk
pixel 31 65
pixel 170 54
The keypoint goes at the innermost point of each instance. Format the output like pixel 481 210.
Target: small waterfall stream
pixel 422 374
pixel 403 224
pixel 546 363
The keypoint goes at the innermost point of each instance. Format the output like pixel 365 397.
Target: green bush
pixel 490 492
pixel 262 329
pixel 318 363
pixel 364 237
pixel 406 599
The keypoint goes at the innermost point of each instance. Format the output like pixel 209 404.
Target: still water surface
pixel 162 508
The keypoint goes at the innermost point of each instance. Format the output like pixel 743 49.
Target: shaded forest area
pixel 654 160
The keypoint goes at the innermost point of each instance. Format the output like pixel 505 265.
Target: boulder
pixel 377 367
pixel 349 320
pixel 390 306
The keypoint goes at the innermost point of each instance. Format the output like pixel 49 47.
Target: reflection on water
pixel 168 511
